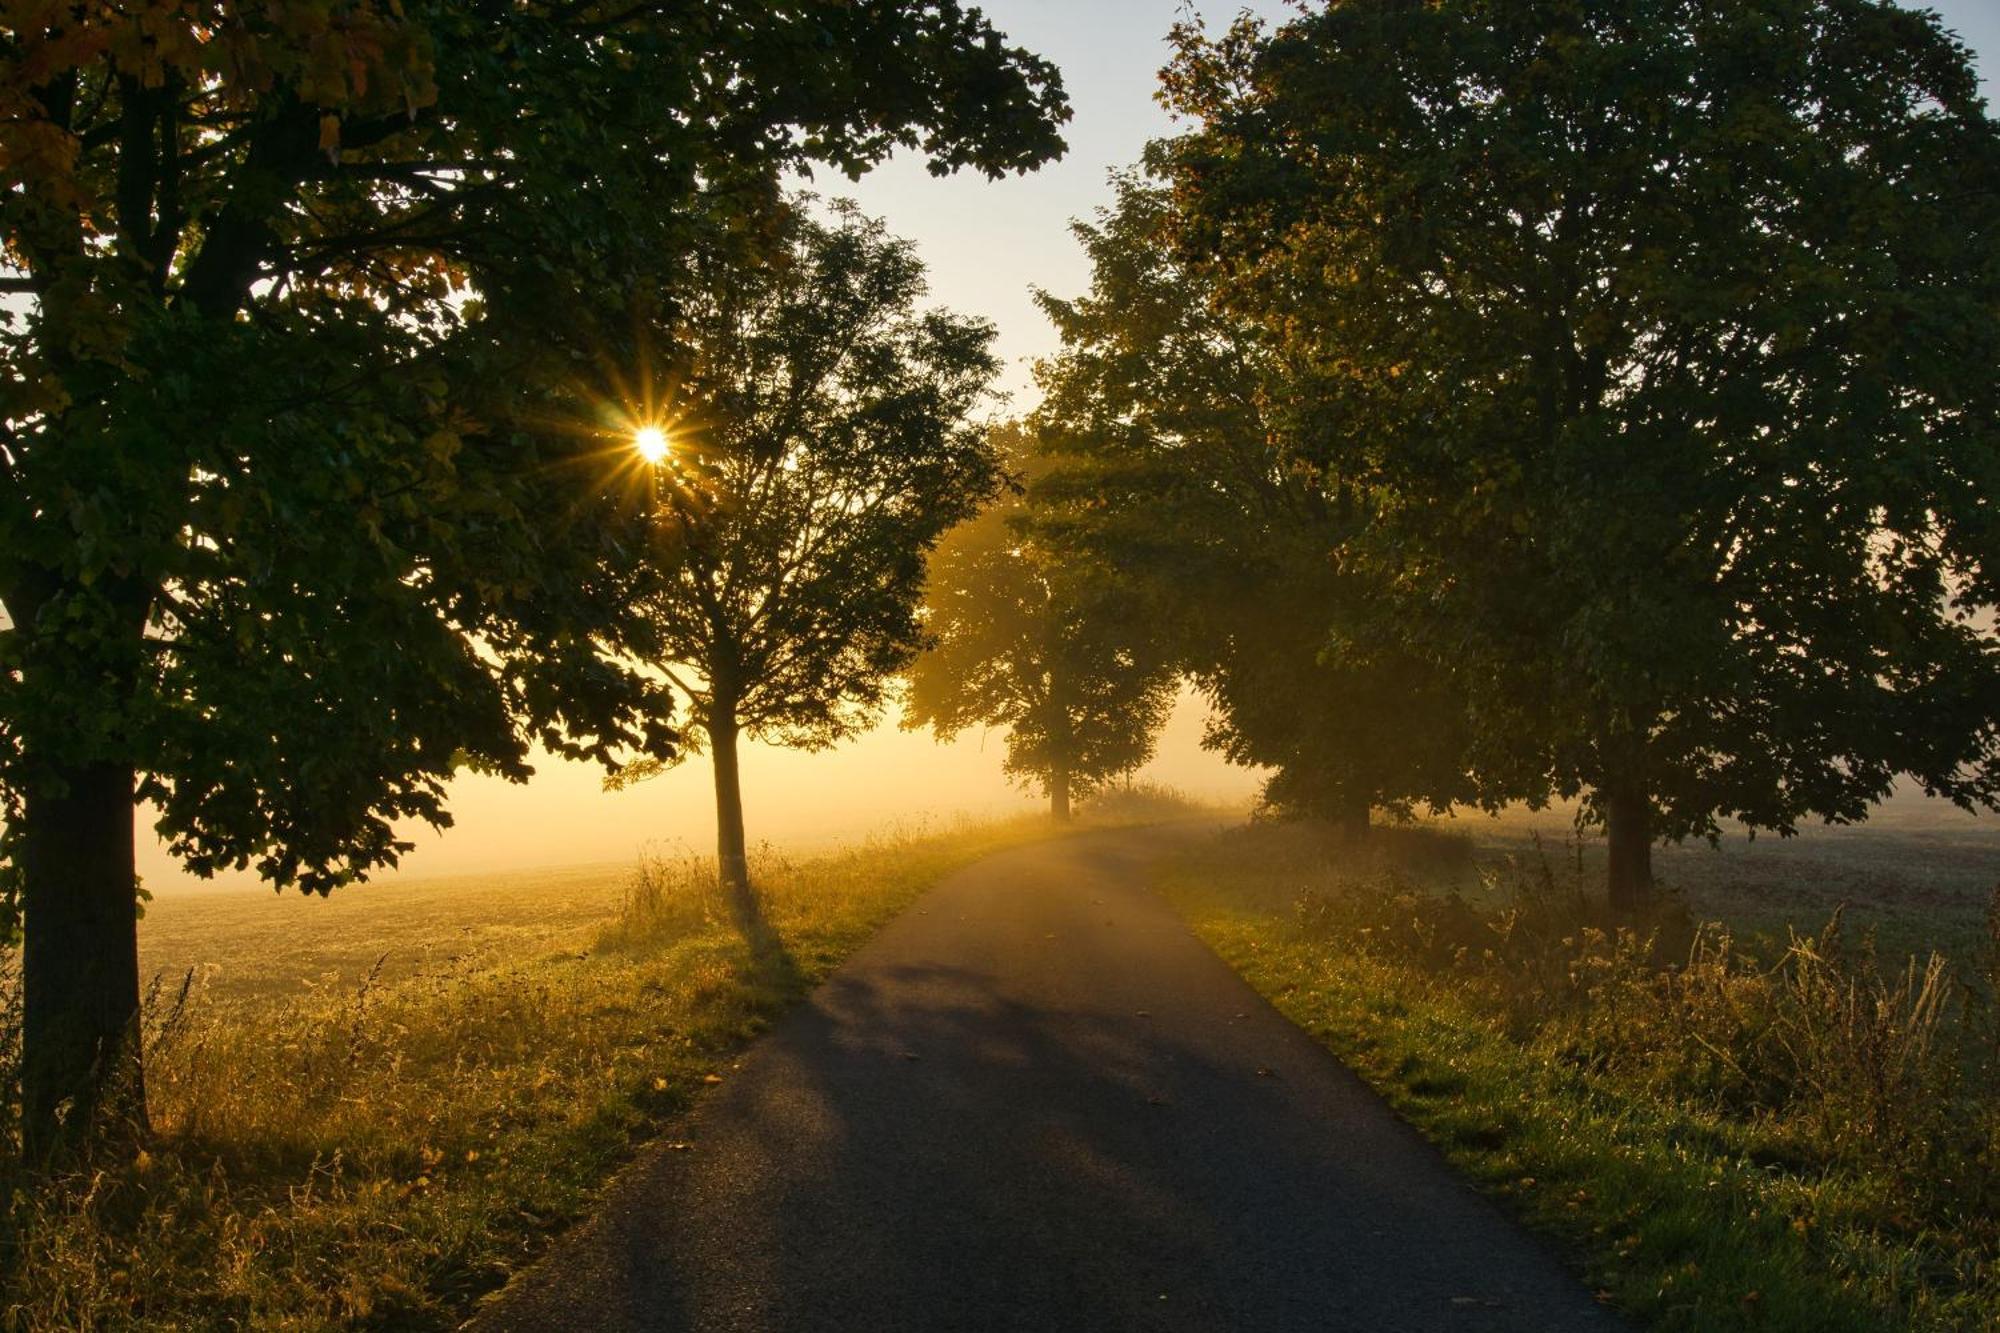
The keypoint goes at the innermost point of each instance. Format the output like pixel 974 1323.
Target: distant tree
pixel 293 292
pixel 1179 463
pixel 1024 640
pixel 1664 335
pixel 819 445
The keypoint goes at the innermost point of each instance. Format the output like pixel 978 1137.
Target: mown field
pixel 1919 873
pixel 370 1111
pixel 248 942
pixel 1776 1108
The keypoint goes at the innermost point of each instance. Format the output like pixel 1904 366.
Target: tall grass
pixel 1805 1136
pixel 383 1154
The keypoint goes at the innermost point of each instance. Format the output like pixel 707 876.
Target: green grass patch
pixel 1719 1139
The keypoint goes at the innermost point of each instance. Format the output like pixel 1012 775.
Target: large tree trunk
pixel 1059 795
pixel 732 860
pixel 80 961
pixel 1628 814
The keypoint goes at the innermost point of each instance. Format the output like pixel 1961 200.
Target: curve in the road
pixel 1037 1101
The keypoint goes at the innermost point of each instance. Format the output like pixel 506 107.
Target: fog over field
pixel 794 801
pixel 988 245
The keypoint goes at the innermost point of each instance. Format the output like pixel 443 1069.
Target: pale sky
pixel 987 244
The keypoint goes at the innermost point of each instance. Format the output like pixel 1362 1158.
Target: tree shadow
pixel 1082 1120
pixel 771 963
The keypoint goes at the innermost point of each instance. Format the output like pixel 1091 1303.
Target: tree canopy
pixel 1662 336
pixel 1179 456
pixel 819 443
pixel 291 529
pixel 1045 646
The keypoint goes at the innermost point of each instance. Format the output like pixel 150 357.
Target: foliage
pixel 292 525
pixel 1173 432
pixel 1661 335
pixel 820 445
pixel 1728 1137
pixel 1025 639
pixel 289 203
pixel 1136 801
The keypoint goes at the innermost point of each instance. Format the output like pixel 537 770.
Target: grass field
pixel 1920 873
pixel 370 1111
pixel 246 942
pixel 1725 1128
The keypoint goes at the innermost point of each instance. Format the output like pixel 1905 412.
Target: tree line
pixel 1477 403
pixel 1502 403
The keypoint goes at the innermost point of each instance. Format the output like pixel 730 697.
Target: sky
pixel 988 244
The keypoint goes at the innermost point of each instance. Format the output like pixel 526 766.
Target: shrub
pixel 1135 802
pixel 1888 1066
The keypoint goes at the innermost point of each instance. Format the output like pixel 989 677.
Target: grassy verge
pixel 383 1153
pixel 1720 1138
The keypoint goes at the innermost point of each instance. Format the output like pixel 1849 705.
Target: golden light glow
pixel 651 442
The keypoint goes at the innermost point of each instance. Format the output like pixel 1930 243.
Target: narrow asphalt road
pixel 1037 1102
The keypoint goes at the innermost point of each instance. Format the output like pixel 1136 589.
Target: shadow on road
pixel 1038 1102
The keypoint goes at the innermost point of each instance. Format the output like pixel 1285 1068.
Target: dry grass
pixel 369 1112
pixel 1731 1129
pixel 1918 874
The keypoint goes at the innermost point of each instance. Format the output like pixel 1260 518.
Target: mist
pixel 885 779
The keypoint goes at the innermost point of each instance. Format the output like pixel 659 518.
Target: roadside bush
pixel 1136 802
pixel 1888 1066
pixel 668 898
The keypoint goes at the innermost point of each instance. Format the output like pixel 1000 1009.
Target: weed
pixel 1704 1119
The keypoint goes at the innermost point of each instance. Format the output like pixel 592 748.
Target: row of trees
pixel 308 499
pixel 1479 406
pixel 1509 402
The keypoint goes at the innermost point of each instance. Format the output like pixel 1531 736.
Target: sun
pixel 651 442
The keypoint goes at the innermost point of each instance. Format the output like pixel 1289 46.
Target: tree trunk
pixel 1353 821
pixel 80 962
pixel 732 860
pixel 1628 814
pixel 1059 795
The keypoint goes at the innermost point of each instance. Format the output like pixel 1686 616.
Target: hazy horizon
pixel 987 245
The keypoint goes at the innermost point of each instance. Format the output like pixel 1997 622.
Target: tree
pixel 817 447
pixel 285 539
pixel 1024 640
pixel 1179 463
pixel 1665 334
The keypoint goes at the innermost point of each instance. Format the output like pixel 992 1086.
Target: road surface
pixel 1036 1101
